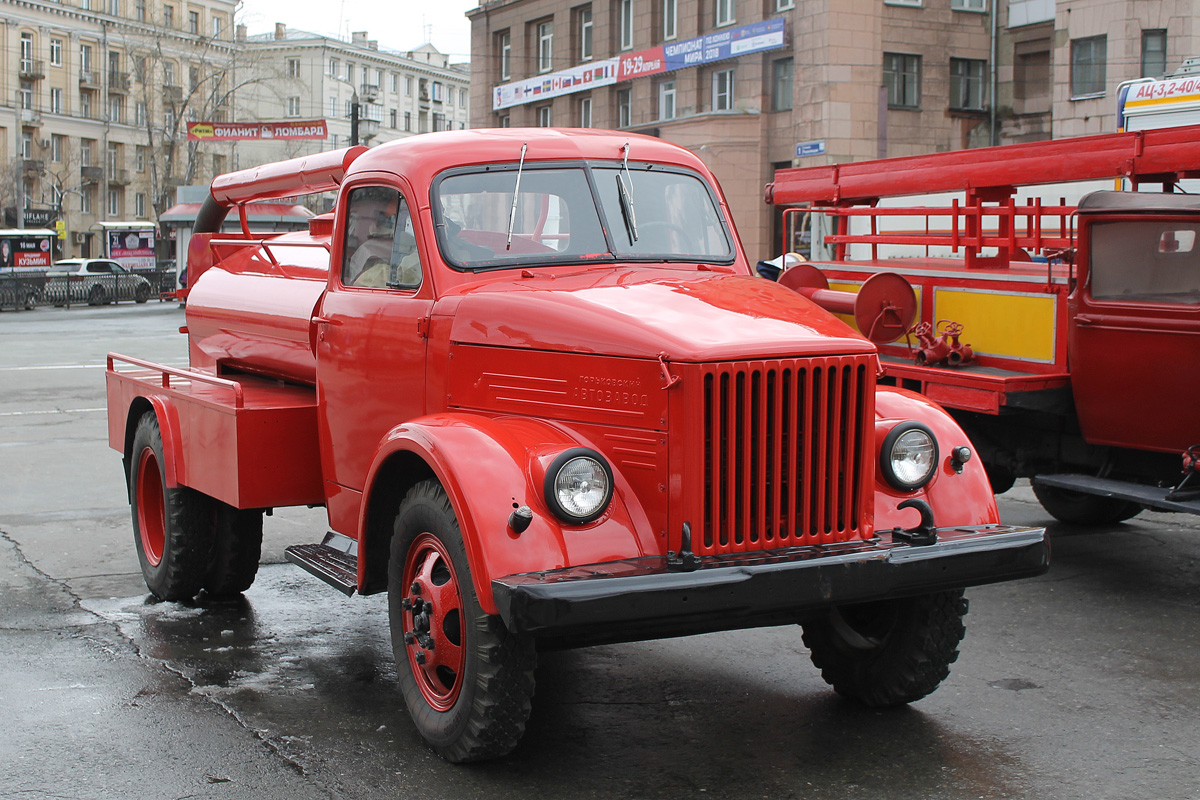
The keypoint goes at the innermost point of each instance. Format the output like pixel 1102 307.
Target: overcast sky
pixel 395 24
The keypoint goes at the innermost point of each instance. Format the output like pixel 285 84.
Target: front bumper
pixel 643 598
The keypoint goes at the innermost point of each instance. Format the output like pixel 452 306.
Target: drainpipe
pixel 993 134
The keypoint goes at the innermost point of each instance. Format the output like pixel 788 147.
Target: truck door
pixel 370 347
pixel 1135 329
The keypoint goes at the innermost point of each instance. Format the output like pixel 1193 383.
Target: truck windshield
pixel 1155 261
pixel 575 215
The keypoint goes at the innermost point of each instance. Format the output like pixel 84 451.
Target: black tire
pixel 172 528
pixel 142 293
pixel 237 547
pixel 1076 508
pixel 469 694
pixel 888 653
pixel 97 296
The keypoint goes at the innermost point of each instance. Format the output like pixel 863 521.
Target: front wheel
pixel 172 527
pixel 890 652
pixel 467 681
pixel 1077 508
pixel 142 293
pixel 97 296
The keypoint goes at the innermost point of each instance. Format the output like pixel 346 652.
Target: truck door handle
pixel 327 321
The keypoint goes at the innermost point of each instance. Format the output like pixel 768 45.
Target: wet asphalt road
pixel 1084 683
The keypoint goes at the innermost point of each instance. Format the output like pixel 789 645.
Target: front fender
pixel 489 466
pixel 964 498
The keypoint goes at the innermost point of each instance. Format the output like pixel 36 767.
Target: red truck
pixel 1082 317
pixel 545 402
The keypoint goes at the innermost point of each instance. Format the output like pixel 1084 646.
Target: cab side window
pixel 380 249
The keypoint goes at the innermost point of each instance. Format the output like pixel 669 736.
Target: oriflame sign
pixel 240 131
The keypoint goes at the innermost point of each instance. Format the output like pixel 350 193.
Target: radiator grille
pixel 784 446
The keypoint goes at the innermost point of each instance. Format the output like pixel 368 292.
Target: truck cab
pixel 545 403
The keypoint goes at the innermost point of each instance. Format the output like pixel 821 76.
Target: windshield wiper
pixel 625 195
pixel 512 212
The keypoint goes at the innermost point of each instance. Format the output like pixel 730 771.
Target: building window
pixel 168 16
pixel 139 10
pixel 625 23
pixel 585 33
pixel 114 157
pixel 408 83
pixel 85 105
pixel 1089 60
pixel 116 109
pixel 56 51
pixel 56 101
pixel 969 5
pixel 139 158
pixel 408 121
pixel 392 118
pixel 725 12
pixel 666 100
pixel 293 106
pixel 545 44
pixel 1154 53
pixel 902 77
pixel 916 3
pixel 723 90
pixel 462 98
pixel 624 108
pixel 26 152
pixel 670 15
pixel 966 84
pixel 504 46
pixel 27 52
pixel 585 112
pixel 114 202
pixel 114 7
pixel 57 147
pixel 506 121
pixel 785 5
pixel 437 95
pixel 333 67
pixel 217 25
pixel 139 205
pixel 544 117
pixel 781 86
pixel 25 93
pixel 293 68
pixel 194 23
pixel 87 199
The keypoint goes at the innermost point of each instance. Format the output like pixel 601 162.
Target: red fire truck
pixel 1060 334
pixel 531 378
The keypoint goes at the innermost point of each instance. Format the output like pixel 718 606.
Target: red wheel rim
pixel 151 508
pixel 434 636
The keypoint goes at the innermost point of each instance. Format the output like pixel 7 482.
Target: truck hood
pixel 685 314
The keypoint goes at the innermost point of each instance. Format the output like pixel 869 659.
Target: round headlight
pixel 579 486
pixel 909 456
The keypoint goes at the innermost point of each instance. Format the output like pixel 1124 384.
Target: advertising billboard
pixel 132 249
pixel 25 249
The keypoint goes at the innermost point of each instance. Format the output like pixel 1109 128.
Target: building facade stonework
pixel 849 80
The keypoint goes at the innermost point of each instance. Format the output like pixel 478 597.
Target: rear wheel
pixel 891 652
pixel 172 527
pixel 142 293
pixel 97 296
pixel 237 547
pixel 467 681
pixel 1078 508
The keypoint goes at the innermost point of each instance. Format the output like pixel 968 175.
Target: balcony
pixel 32 70
pixel 30 166
pixel 30 117
pixel 368 92
pixel 172 94
pixel 91 174
pixel 89 79
pixel 118 177
pixel 118 82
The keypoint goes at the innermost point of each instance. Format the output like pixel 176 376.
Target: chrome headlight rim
pixel 550 492
pixel 885 456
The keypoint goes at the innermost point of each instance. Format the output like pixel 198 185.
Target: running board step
pixel 1152 497
pixel 335 561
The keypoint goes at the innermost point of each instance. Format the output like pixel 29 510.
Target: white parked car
pixel 94 280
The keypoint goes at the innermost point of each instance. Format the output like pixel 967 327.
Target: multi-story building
pixel 95 99
pixel 306 76
pixel 755 86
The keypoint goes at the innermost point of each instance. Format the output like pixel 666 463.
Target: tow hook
pixel 685 560
pixel 923 534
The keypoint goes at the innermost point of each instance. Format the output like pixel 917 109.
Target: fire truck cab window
pixel 380 248
pixel 1156 261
